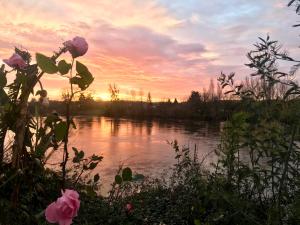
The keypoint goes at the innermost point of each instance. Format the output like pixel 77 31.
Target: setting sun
pixel 104 97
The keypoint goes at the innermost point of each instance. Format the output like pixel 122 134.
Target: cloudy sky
pixel 166 47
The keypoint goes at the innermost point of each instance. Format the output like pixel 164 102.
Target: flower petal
pixel 71 193
pixel 51 213
pixel 65 222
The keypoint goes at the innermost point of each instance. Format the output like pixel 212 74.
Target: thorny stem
pixel 20 123
pixel 41 85
pixel 18 148
pixel 66 140
pixel 81 172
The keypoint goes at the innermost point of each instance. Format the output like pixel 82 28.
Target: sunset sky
pixel 166 47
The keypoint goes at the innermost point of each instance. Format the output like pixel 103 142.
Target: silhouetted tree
pixel 219 92
pixel 211 90
pixel 205 95
pixel 195 98
pixel 149 99
pixel 85 99
pixel 114 92
pixel 264 61
pixel 65 95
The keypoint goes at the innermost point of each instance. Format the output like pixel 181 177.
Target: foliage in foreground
pixel 255 180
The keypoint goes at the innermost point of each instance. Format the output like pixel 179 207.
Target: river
pixel 141 145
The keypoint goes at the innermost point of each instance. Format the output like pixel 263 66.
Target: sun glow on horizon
pixel 102 96
pixel 168 47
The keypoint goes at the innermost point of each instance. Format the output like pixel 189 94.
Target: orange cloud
pixel 128 43
pixel 166 47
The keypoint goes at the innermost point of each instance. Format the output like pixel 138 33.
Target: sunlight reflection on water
pixel 142 145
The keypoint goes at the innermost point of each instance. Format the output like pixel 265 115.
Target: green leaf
pixel 118 179
pixel 42 147
pixel 3 97
pixel 90 191
pixel 81 68
pixel 81 155
pixel 46 64
pixel 51 119
pixel 3 80
pixel 76 160
pixel 60 130
pixel 64 67
pixel 75 151
pixel 21 78
pixel 197 222
pixel 291 2
pixel 127 174
pixel 96 158
pixel 78 81
pixel 93 165
pixel 83 77
pixel 96 178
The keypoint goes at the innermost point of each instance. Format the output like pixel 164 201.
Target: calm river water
pixel 142 145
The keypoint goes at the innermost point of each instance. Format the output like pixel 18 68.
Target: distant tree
pixel 195 98
pixel 253 84
pixel 169 101
pixel 114 92
pixel 258 87
pixel 211 90
pixel 85 99
pixel 65 95
pixel 281 90
pixel 267 81
pixel 205 95
pixel 149 99
pixel 219 92
pixel 264 60
pixel 81 97
pixel 175 101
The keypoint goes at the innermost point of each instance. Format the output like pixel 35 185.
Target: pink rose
pixel 77 47
pixel 129 208
pixel 64 209
pixel 15 61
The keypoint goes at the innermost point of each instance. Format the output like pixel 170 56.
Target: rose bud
pixel 77 47
pixel 129 208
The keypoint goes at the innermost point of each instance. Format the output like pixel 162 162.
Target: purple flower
pixel 15 61
pixel 77 47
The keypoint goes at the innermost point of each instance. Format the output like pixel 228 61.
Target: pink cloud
pixel 135 44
